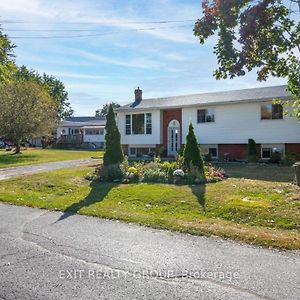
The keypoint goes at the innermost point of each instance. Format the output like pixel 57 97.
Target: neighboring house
pixel 223 123
pixel 83 132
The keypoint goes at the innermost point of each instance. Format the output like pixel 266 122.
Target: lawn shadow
pixel 12 158
pixel 199 192
pixel 97 194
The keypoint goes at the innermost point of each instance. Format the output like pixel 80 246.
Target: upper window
pixel 271 111
pixel 138 124
pixel 206 115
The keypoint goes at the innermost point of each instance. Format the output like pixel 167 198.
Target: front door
pixel 173 137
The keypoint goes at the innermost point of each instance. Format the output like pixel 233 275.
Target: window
pixel 148 123
pixel 138 124
pixel 213 152
pixel 206 115
pixel 141 151
pixel 93 131
pixel 266 152
pixel 271 111
pixel 128 124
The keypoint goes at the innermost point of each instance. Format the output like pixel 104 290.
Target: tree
pixel 254 34
pixel 7 64
pixel 113 150
pixel 104 110
pixel 54 86
pixel 26 110
pixel 192 154
pixel 252 151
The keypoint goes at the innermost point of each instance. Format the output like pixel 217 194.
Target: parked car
pixel 5 143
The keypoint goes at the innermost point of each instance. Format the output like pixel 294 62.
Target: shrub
pixel 213 174
pixel 113 150
pixel 192 154
pixel 111 173
pixel 91 176
pixel 154 175
pixel 252 155
pixel 292 157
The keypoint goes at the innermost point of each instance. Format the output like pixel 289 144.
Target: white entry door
pixel 173 137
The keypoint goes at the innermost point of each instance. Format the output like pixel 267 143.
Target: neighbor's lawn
pixel 35 156
pixel 255 211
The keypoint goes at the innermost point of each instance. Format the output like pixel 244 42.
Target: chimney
pixel 138 95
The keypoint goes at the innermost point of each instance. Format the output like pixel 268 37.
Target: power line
pixel 97 23
pixel 96 34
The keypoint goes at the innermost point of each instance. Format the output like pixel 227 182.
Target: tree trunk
pixel 18 148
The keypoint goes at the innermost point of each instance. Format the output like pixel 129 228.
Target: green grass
pixel 36 156
pixel 258 171
pixel 255 211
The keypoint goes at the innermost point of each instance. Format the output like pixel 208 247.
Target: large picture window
pixel 206 115
pixel 271 111
pixel 138 124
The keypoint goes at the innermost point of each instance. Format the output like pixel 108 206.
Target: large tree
pixel 54 86
pixel 26 110
pixel 104 110
pixel 254 34
pixel 113 149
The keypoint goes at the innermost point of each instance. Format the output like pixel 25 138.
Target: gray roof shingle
pixel 245 95
pixel 83 121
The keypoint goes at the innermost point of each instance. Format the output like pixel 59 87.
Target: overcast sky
pixel 122 55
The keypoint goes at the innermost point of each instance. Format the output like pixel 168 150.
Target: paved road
pixel 37 168
pixel 44 256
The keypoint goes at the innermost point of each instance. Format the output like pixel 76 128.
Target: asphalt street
pixel 44 256
pixel 7 173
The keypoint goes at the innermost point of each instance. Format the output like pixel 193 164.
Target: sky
pixel 121 52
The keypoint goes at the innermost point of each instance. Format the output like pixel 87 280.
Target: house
pixel 223 123
pixel 82 132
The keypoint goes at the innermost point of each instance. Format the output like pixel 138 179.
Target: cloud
pixel 139 62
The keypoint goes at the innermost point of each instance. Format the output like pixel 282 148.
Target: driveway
pixel 37 168
pixel 44 256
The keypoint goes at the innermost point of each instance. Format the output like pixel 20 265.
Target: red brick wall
pixel 295 148
pixel 168 116
pixel 125 149
pixel 236 151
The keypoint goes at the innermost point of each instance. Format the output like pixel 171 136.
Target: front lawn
pixel 36 156
pixel 255 211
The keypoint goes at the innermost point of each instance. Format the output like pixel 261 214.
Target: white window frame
pixel 145 123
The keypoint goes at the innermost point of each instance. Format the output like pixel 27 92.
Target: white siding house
pixel 83 132
pixel 223 123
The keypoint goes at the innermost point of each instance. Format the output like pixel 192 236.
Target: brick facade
pixel 168 116
pixel 295 148
pixel 235 151
pixel 125 149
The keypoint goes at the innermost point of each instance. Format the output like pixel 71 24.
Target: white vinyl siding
pixel 236 123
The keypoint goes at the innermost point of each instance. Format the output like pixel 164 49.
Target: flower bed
pixel 159 172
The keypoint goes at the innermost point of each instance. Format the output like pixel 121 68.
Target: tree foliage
pixel 254 34
pixel 113 150
pixel 104 110
pixel 7 64
pixel 53 86
pixel 192 154
pixel 26 110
